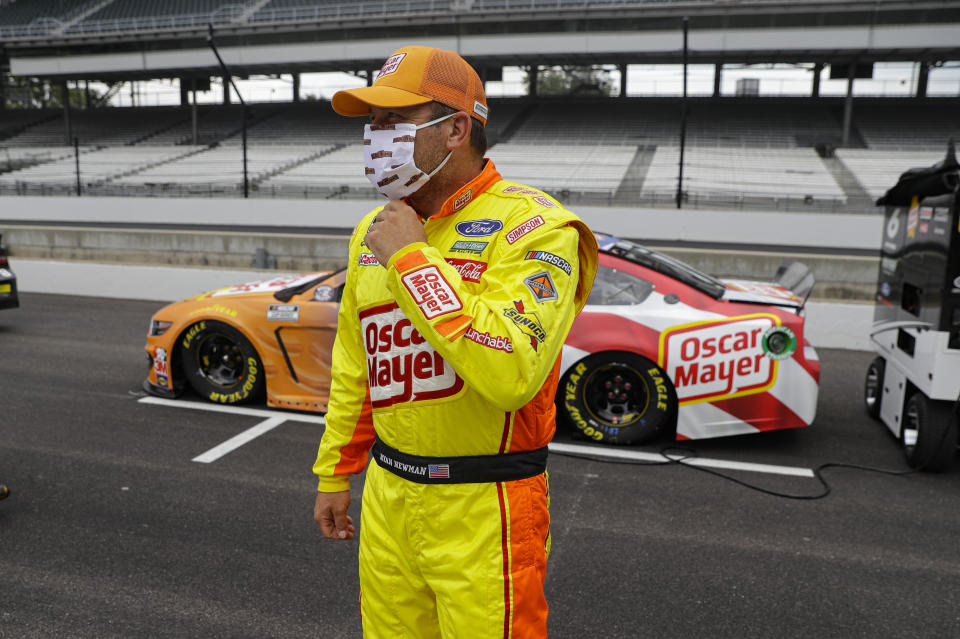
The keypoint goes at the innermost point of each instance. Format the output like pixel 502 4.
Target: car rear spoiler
pixel 797 278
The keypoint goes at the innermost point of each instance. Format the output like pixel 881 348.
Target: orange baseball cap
pixel 417 75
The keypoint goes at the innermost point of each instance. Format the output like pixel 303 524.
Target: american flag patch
pixel 438 471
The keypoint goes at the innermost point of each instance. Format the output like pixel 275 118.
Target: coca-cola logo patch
pixel 470 270
pixel 717 359
pixel 402 366
pixel 431 292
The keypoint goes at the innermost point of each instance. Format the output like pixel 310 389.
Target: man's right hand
pixel 330 513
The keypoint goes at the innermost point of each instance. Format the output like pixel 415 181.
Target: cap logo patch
pixel 479 109
pixel 391 65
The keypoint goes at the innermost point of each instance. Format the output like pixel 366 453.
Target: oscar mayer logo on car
pixel 718 359
pixel 401 364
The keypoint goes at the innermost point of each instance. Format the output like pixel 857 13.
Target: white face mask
pixel 388 158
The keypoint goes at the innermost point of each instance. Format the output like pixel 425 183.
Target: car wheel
pixel 929 433
pixel 616 398
pixel 220 363
pixel 873 387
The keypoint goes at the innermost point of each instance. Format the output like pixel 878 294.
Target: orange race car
pixel 289 324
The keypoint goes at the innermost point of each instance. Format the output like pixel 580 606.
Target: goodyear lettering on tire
pixel 244 392
pixel 571 391
pixel 191 333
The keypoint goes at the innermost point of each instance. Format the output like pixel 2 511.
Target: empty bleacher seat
pixel 878 170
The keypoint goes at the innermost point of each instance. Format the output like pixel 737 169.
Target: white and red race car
pixel 661 348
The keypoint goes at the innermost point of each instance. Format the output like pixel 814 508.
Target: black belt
pixel 473 469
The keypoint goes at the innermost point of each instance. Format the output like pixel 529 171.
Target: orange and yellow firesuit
pixel 453 350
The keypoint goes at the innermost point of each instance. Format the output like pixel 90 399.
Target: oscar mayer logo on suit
pixel 431 291
pixel 401 364
pixel 719 358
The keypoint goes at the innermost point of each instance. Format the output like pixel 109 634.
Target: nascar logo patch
pixel 550 258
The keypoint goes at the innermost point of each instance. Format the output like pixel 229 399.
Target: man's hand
pixel 396 226
pixel 330 513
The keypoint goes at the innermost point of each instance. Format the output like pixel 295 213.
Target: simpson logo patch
pixel 470 270
pixel 401 364
pixel 527 322
pixel 431 292
pixel 468 247
pixel 523 229
pixel 368 259
pixel 542 287
pixel 550 258
pixel 718 359
pixel 391 65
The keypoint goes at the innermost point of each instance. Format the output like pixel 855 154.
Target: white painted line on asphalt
pixel 273 419
pixel 637 455
pixel 233 410
pixel 237 441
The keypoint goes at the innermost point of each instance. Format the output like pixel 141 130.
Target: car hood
pixel 760 293
pixel 264 287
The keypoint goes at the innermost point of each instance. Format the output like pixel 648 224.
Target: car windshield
pixel 667 265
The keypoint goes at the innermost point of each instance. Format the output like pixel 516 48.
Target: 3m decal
pixel 401 364
pixel 470 270
pixel 468 247
pixel 485 339
pixel 431 292
pixel 392 64
pixel 368 259
pixel 545 201
pixel 527 322
pixel 523 229
pixel 541 286
pixel 718 359
pixel 479 228
pixel 463 200
pixel 161 367
pixel 550 258
pixel 283 312
pixel 323 294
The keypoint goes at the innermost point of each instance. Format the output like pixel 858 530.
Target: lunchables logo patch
pixel 431 292
pixel 391 65
pixel 718 359
pixel 401 364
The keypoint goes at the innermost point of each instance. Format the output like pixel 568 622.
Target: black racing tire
pixel 873 387
pixel 929 433
pixel 220 363
pixel 616 398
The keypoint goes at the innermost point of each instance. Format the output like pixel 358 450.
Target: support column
pixel 86 94
pixel 623 80
pixel 534 75
pixel 184 93
pixel 717 79
pixel 133 93
pixel 226 90
pixel 193 111
pixel 817 71
pixel 370 78
pixel 67 126
pixel 923 78
pixel 296 87
pixel 3 91
pixel 848 105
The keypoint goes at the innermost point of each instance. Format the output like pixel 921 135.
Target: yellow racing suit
pixel 452 353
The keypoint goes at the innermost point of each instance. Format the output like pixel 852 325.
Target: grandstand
pixel 742 152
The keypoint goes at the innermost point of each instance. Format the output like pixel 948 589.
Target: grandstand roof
pixel 110 39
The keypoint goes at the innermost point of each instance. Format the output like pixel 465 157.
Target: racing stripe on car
pixel 793 388
pixel 696 421
pixel 763 411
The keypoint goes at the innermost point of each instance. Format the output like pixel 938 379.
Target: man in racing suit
pixel 458 298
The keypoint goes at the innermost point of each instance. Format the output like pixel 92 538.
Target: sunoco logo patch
pixel 718 359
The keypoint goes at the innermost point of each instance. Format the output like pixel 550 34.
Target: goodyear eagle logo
pixel 527 322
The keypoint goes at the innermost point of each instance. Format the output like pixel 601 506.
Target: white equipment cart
pixel 913 386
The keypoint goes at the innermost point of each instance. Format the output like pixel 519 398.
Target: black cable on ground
pixel 688 453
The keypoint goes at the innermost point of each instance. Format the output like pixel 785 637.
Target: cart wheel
pixel 873 387
pixel 929 433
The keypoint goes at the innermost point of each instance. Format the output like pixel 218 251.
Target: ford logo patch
pixel 479 228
